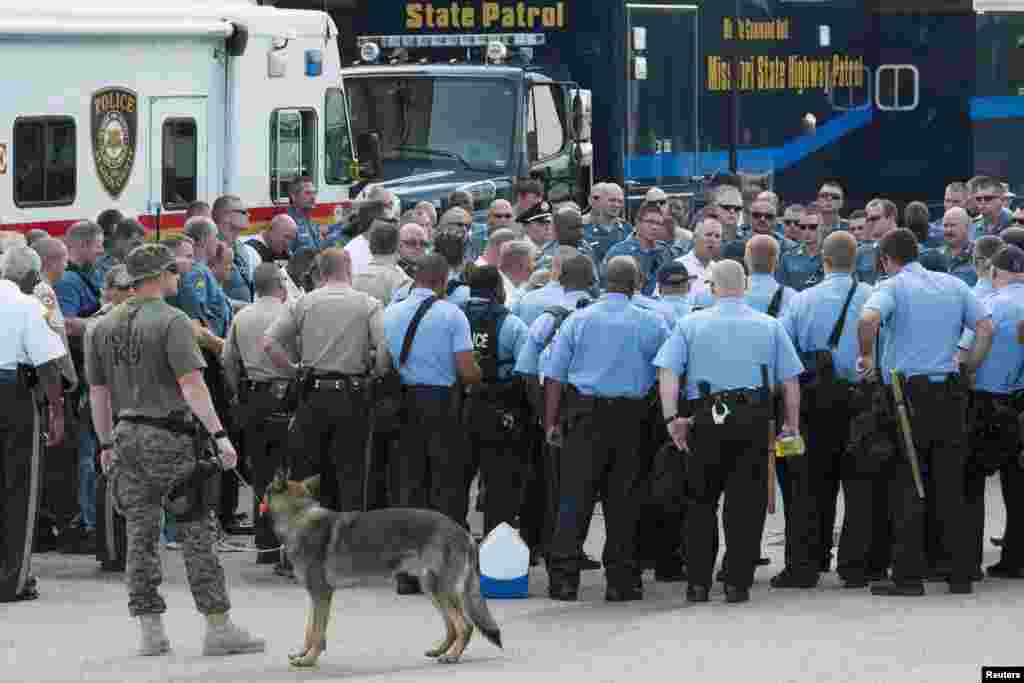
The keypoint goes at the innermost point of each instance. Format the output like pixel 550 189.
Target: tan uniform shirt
pixel 381 278
pixel 55 319
pixel 336 329
pixel 245 344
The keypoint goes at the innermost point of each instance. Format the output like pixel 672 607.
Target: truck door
pixel 548 142
pixel 178 152
pixel 661 94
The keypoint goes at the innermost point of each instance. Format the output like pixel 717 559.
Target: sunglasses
pixel 829 195
pixel 872 219
pixel 172 269
pixel 503 215
pixel 660 202
pixel 764 216
pixel 414 243
pixel 735 208
pixel 791 221
pixel 244 212
pixel 808 227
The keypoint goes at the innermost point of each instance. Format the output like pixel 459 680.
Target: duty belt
pixel 338 382
pixel 720 404
pixel 177 425
pixel 278 387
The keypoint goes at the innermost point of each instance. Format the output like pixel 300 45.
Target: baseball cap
pixel 148 261
pixel 674 273
pixel 655 194
pixel 117 278
pixel 539 212
pixel 1010 259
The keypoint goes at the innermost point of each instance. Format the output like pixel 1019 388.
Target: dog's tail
pixel 476 606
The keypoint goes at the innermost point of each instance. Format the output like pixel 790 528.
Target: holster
pixel 874 432
pixel 496 411
pixel 192 499
pixel 994 432
pixel 303 385
pixel 384 396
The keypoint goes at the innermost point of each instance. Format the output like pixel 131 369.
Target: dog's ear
pixel 312 486
pixel 279 483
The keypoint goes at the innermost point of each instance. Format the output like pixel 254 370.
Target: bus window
pixel 292 149
pixel 179 163
pixel 44 161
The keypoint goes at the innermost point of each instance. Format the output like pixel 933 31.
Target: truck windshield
pixel 469 122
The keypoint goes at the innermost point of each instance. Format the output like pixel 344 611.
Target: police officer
pixel 339 335
pixel 261 391
pixel 430 342
pixel 604 226
pixel 533 303
pixel 568 231
pixel 764 293
pixel 29 367
pixel 822 323
pixel 729 425
pixel 143 358
pixel 645 245
pixel 603 353
pixel 674 287
pixel 996 402
pixel 495 419
pixel 801 267
pixel 111 535
pixel 924 313
pixel 540 499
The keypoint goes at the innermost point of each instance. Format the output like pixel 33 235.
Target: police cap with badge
pixel 539 213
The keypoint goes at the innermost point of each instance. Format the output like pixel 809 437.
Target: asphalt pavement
pixel 79 630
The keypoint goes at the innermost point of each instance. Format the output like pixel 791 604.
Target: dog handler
pixel 143 357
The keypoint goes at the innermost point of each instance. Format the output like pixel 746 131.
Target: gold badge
pixel 114 128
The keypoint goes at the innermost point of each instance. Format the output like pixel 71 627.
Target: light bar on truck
pixel 455 40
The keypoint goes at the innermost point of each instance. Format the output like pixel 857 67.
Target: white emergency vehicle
pixel 115 104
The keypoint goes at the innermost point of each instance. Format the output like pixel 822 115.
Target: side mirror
pixel 578 120
pixel 369 154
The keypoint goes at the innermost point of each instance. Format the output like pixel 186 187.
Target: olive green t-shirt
pixel 139 350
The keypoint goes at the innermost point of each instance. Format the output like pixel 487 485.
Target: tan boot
pixel 223 637
pixel 154 639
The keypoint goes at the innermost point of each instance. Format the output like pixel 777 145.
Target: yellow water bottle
pixel 786 446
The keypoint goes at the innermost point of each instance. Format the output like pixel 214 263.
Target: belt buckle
pixel 278 390
pixel 719 411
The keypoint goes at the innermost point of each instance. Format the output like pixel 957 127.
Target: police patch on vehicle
pixel 114 128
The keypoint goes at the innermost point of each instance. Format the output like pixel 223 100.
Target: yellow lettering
pixel 531 17
pixel 468 17
pixel 442 18
pixel 508 17
pixel 561 14
pixel 414 16
pixel 520 14
pixel 548 17
pixel 727 28
pixel 491 13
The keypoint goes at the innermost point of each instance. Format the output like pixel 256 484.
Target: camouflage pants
pixel 150 461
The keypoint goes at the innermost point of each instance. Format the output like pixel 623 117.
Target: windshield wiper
pixel 435 152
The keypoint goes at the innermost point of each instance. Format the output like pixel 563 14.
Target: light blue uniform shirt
pixel 528 361
pixel 1002 370
pixel 443 332
pixel 653 305
pixel 680 303
pixel 924 314
pixel 606 349
pixel 809 320
pixel 511 338
pixel 761 290
pixel 202 298
pixel 532 304
pixel 459 296
pixel 984 291
pixel 548 251
pixel 726 346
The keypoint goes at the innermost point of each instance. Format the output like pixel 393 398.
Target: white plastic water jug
pixel 504 564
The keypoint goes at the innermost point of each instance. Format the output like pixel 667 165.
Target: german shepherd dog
pixel 325 547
